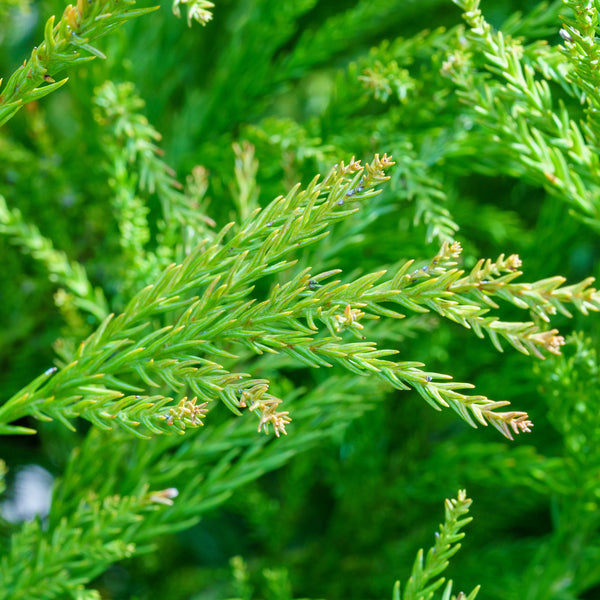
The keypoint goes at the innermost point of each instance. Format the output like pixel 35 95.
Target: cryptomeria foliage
pixel 250 343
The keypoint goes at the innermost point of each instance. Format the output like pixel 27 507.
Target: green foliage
pixel 62 47
pixel 418 586
pixel 319 297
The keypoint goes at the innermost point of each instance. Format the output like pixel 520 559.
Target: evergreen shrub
pixel 256 259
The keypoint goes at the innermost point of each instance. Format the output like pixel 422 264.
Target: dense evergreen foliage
pixel 269 271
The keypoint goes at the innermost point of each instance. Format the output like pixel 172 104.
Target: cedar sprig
pixel 387 79
pixel 104 402
pixel 542 139
pixel 285 321
pixel 425 577
pixel 206 471
pixel 134 142
pixel 223 315
pixel 543 298
pixel 98 533
pixel 67 43
pixel 580 46
pixel 467 300
pixel 420 186
pixel 277 324
pixel 95 379
pixel 64 272
pixel 245 192
pixel 101 371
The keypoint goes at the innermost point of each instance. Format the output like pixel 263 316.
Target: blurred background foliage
pixel 310 83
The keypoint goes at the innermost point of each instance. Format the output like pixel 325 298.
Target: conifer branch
pixel 56 563
pixel 245 194
pixel 544 140
pixel 133 142
pixel 61 270
pixel 424 579
pixel 114 371
pixel 93 521
pixel 246 314
pixel 419 186
pixel 581 47
pixel 67 43
pixel 467 299
pixel 95 383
